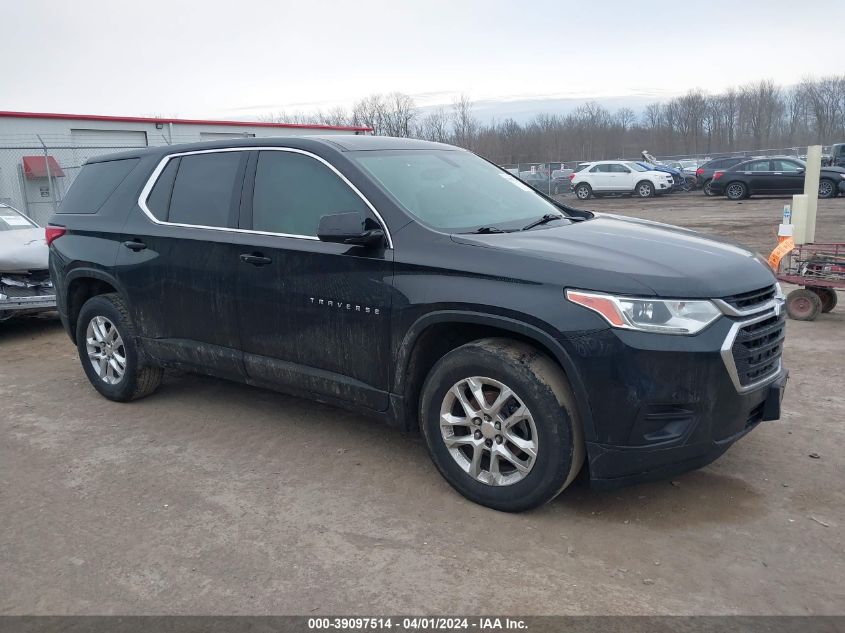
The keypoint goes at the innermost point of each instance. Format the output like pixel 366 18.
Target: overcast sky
pixel 225 59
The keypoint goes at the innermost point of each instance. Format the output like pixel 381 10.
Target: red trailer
pixel 820 269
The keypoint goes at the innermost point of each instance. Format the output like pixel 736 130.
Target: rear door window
pixel 94 184
pixel 757 165
pixel 158 201
pixel 207 189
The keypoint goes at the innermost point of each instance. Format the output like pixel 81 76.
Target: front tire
pixel 500 423
pixel 583 191
pixel 803 305
pixel 106 342
pixel 736 191
pixel 827 188
pixel 645 189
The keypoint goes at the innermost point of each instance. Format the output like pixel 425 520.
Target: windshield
pixel 454 190
pixel 637 166
pixel 13 220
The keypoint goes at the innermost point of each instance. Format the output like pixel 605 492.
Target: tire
pixel 803 305
pixel 827 188
pixel 827 296
pixel 583 191
pixel 644 189
pixel 736 191
pixel 103 326
pixel 706 188
pixel 551 427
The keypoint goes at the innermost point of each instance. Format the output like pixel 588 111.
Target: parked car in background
pixel 25 286
pixel 704 173
pixel 619 177
pixel 775 175
pixel 420 284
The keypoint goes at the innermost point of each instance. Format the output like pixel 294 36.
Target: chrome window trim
pixel 728 358
pixel 145 192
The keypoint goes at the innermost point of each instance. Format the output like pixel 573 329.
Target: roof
pixel 141 119
pixel 307 142
pixel 36 167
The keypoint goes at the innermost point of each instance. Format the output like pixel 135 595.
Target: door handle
pixel 255 260
pixel 135 245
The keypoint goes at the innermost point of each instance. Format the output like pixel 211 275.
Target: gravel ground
pixel 212 497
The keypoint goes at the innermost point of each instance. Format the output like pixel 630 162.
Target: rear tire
pixel 827 296
pixel 736 191
pixel 706 188
pixel 484 462
pixel 803 305
pixel 106 342
pixel 644 189
pixel 583 191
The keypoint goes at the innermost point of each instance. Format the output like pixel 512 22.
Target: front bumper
pixel 661 405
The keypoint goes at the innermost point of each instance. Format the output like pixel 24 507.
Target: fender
pixel 505 323
pixel 87 272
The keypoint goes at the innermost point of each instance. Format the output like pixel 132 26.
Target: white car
pixel 25 286
pixel 619 176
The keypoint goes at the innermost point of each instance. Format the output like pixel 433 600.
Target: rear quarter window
pixel 95 184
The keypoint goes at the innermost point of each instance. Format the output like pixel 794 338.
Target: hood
pixel 669 260
pixel 23 250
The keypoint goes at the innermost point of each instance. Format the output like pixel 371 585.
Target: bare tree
pixel 435 126
pixel 464 123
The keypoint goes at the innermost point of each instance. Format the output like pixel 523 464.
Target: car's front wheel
pixel 583 191
pixel 736 191
pixel 105 340
pixel 500 423
pixel 827 188
pixel 645 189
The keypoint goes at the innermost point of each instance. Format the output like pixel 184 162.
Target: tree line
pixel 755 116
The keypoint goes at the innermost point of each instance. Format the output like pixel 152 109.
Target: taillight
pixel 718 175
pixel 699 171
pixel 572 176
pixel 52 233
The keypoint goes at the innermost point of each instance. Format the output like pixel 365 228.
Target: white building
pixel 41 153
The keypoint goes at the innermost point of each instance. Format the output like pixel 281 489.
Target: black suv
pixel 419 283
pixel 704 174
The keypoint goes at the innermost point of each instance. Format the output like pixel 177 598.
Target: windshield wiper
pixel 489 229
pixel 549 217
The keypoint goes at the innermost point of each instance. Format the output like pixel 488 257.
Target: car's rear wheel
pixel 706 188
pixel 827 296
pixel 803 305
pixel 644 189
pixel 827 188
pixel 736 191
pixel 106 342
pixel 583 191
pixel 500 423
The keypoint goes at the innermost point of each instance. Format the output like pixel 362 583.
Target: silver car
pixel 25 286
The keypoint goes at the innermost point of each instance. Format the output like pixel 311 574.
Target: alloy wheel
pixel 736 191
pixel 106 350
pixel 825 189
pixel 489 431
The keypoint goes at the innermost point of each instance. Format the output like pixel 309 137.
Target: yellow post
pixel 811 190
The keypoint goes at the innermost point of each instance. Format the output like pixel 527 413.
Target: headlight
pixel 668 316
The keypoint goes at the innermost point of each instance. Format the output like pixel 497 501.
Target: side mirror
pixel 349 228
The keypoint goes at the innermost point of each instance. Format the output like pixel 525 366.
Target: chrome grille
pixel 752 299
pixel 757 349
